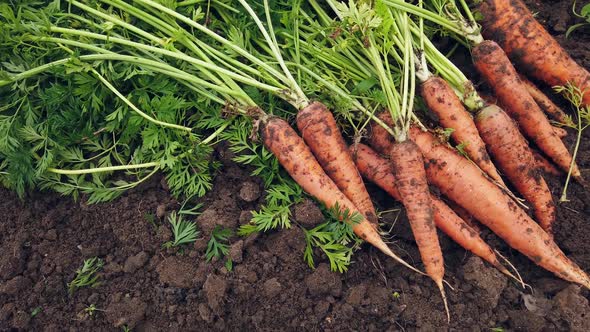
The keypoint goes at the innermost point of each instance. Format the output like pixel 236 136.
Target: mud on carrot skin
pixel 514 157
pixel 321 133
pixel 378 170
pixel 492 63
pixel 298 160
pixel 465 184
pixel 442 100
pixel 528 43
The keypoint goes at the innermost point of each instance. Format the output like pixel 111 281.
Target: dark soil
pixel 45 238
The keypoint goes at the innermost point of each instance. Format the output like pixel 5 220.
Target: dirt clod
pixel 215 287
pixel 15 285
pixel 574 308
pixel 236 251
pixel 488 280
pixel 133 263
pixel 250 191
pixel 324 282
pixel 272 288
pixel 308 214
pixel 125 311
pixel 177 272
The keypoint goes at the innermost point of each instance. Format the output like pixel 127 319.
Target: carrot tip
pixel 385 249
pixel 504 270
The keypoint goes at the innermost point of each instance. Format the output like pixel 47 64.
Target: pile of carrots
pixel 402 158
pixel 323 165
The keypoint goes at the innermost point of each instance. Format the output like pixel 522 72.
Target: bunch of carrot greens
pixel 103 94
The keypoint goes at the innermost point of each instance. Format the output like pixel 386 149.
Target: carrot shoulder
pixel 464 183
pixel 321 133
pixel 491 61
pixel 528 44
pixel 442 100
pixel 297 159
pixel 514 157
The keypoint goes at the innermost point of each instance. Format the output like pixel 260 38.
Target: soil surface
pixel 45 238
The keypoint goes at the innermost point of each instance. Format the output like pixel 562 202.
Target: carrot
pixel 407 167
pixel 297 159
pixel 378 170
pixel 544 102
pixel 464 215
pixel 379 138
pixel 464 183
pixel 442 100
pixel 560 132
pixel 545 165
pixel 321 133
pixel 493 64
pixel 528 44
pixel 512 154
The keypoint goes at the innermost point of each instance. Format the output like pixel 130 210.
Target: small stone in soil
pixel 161 211
pixel 272 288
pixel 245 217
pixel 308 214
pixel 250 191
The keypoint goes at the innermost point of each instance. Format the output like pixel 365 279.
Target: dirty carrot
pixel 321 133
pixel 297 159
pixel 491 61
pixel 514 157
pixel 378 170
pixel 464 183
pixel 442 100
pixel 528 44
pixel 545 165
pixel 407 167
pixel 544 102
pixel 560 132
pixel 464 215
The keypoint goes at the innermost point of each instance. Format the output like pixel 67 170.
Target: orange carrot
pixel 512 154
pixel 379 138
pixel 533 49
pixel 496 68
pixel 378 170
pixel 544 102
pixel 465 184
pixel 442 100
pixel 297 159
pixel 545 165
pixel 321 133
pixel 560 132
pixel 464 215
pixel 407 167
pixel 422 225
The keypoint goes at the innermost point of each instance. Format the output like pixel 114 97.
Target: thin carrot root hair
pixel 517 277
